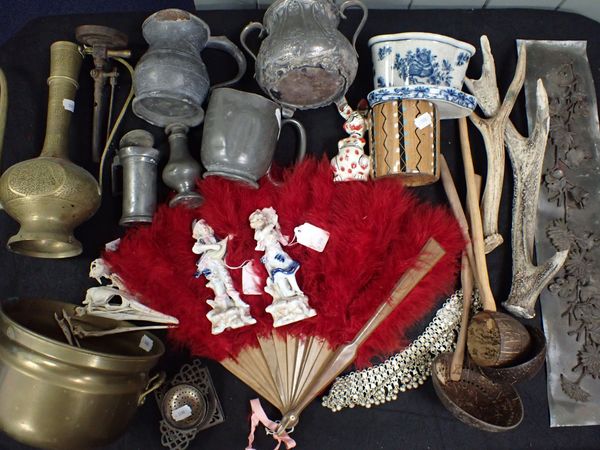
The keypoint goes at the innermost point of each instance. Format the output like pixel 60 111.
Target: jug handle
pixel 154 383
pixel 248 29
pixel 348 4
pixel 225 45
pixel 301 137
pixel 301 145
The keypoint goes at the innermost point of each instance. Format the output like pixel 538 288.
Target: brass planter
pixel 56 396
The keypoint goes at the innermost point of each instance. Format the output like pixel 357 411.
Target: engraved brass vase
pixel 57 396
pixel 49 195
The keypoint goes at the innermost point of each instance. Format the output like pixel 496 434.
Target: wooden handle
pixel 457 210
pixel 459 354
pixel 487 298
pixel 429 256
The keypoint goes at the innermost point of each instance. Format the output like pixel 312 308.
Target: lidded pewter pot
pixel 305 62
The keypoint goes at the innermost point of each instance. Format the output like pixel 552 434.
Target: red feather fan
pixel 376 232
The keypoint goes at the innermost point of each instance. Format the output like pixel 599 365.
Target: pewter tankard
pixel 305 62
pixel 240 135
pixel 171 81
pixel 139 160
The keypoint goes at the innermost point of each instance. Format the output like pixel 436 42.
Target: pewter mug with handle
pixel 305 62
pixel 171 81
pixel 240 135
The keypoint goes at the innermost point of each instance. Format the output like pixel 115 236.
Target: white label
pixel 181 413
pixel 112 246
pixel 311 236
pixel 68 104
pixel 146 343
pixel 251 281
pixel 423 121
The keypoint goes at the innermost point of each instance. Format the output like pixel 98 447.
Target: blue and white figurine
pixel 228 308
pixel 289 304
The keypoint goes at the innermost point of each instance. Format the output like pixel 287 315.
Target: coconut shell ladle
pixel 494 339
pixel 469 395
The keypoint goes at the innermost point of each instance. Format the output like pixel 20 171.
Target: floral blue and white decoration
pixel 427 66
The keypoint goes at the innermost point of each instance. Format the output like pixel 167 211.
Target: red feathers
pixel 377 229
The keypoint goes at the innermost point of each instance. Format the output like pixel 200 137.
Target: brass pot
pixel 56 396
pixel 49 195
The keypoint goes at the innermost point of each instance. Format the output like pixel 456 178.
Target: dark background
pixel 417 420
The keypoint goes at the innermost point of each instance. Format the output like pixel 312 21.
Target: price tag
pixel 423 121
pixel 181 413
pixel 311 236
pixel 68 104
pixel 146 343
pixel 251 281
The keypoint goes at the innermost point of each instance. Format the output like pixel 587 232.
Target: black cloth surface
pixel 417 420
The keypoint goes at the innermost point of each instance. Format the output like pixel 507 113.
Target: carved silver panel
pixel 569 218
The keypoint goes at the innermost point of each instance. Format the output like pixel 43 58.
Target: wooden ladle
pixel 494 339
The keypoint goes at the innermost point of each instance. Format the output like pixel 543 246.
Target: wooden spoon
pixel 494 339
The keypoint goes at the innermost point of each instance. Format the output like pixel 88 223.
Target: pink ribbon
pixel 259 416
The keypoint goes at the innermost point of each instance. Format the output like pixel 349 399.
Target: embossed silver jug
pixel 171 81
pixel 305 62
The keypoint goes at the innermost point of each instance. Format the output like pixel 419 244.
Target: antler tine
pixel 515 86
pixel 492 129
pixel 485 89
pixel 527 157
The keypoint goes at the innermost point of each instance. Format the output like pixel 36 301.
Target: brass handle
pixel 153 384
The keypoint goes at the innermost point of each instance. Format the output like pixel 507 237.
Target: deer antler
pixel 492 129
pixel 527 158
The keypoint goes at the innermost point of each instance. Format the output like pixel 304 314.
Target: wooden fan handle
pixel 429 256
pixel 487 297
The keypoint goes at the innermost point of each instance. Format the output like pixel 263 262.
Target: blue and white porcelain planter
pixel 422 66
pixel 451 103
pixel 406 59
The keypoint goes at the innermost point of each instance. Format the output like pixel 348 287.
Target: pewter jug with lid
pixel 305 62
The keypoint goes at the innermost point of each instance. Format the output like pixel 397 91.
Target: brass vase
pixel 49 195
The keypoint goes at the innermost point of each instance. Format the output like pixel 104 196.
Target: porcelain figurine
pixel 351 162
pixel 289 304
pixel 228 309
